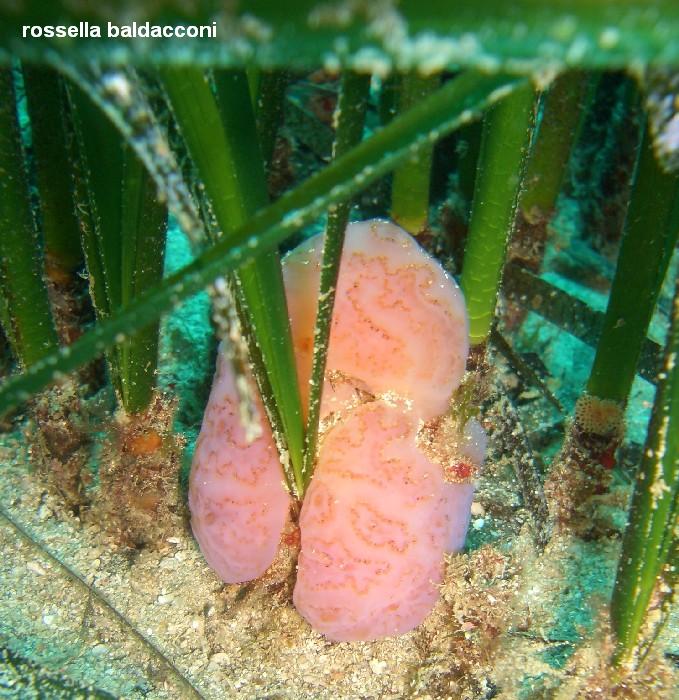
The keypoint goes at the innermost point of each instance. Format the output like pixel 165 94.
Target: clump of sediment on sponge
pixel 239 504
pixel 381 510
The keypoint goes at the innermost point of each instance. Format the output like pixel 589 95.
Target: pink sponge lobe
pixel 238 501
pixel 399 324
pixel 374 526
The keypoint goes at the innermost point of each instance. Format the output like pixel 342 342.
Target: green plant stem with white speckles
pixel 143 238
pixel 361 166
pixel 220 133
pixel 562 115
pixel 24 307
pixel 410 186
pixel 388 99
pixel 351 110
pixel 123 227
pixel 504 143
pixel 98 193
pixel 650 235
pixel 270 109
pixel 468 146
pixel 45 96
pixel 651 533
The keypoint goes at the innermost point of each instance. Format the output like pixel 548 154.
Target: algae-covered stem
pixel 25 312
pixel 45 98
pixel 269 105
pixel 123 224
pixel 651 536
pixel 561 120
pixel 583 466
pixel 410 185
pixel 350 120
pixel 651 230
pixel 505 141
pixel 524 460
pixel 561 114
pixel 123 230
pixel 122 96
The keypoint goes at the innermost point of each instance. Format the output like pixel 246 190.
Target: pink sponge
pixel 239 504
pixel 374 527
pixel 379 514
pixel 399 325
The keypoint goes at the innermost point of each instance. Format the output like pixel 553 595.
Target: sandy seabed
pixel 511 623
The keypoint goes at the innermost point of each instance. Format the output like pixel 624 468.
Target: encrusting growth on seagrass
pixel 61 444
pixel 139 476
pixel 583 467
pixel 393 483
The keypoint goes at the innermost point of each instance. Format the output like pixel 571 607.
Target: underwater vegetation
pixel 420 437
